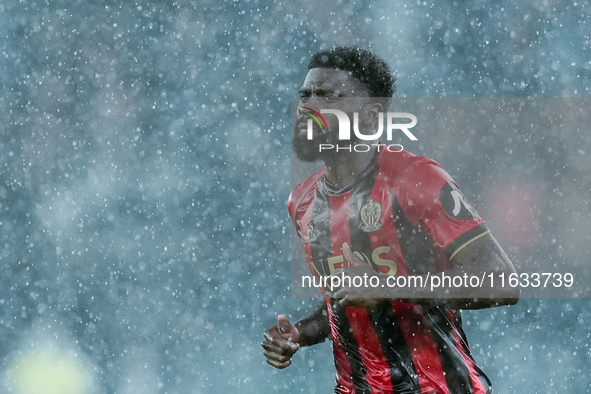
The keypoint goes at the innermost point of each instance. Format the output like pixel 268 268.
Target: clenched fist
pixel 280 343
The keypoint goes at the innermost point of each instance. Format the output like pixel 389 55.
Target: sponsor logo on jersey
pixel 380 260
pixel 454 203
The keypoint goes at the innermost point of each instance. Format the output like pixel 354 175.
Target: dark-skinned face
pixel 324 88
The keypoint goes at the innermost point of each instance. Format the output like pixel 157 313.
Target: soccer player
pixel 380 214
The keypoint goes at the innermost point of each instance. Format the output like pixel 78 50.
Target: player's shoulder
pixel 303 191
pixel 404 165
pixel 307 185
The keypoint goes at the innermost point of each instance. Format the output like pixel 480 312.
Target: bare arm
pixel 280 342
pixel 315 328
pixel 482 257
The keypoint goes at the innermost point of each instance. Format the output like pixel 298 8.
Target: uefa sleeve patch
pixel 454 203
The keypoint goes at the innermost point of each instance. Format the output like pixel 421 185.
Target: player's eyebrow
pixel 322 92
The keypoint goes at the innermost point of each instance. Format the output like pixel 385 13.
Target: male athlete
pixel 379 214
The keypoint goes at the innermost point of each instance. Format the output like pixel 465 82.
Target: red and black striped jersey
pixel 403 215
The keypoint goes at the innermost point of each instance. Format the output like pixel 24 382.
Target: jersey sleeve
pixel 289 207
pixel 432 200
pixel 301 197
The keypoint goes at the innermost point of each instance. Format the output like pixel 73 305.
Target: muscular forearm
pixel 455 288
pixel 315 328
pixel 459 296
pixel 483 260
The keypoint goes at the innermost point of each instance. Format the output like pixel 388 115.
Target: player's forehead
pixel 333 80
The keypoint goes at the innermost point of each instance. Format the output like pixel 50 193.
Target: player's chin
pixel 305 150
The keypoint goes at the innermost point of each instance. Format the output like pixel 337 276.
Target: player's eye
pixel 331 98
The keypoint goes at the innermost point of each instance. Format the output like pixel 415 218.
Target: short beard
pixel 308 151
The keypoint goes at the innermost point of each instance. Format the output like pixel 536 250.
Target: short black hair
pixel 368 68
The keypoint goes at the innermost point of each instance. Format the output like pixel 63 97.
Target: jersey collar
pixel 334 190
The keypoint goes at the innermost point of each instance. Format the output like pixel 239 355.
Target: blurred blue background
pixel 145 165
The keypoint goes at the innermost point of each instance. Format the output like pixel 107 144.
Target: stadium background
pixel 144 156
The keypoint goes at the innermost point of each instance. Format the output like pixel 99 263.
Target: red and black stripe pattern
pixel 393 219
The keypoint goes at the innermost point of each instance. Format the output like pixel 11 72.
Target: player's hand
pixel 360 296
pixel 280 343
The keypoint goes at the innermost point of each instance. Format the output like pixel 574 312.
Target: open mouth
pixel 302 125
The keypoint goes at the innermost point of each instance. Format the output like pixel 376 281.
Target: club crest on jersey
pixel 370 216
pixel 310 234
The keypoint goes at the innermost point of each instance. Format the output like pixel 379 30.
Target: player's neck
pixel 343 169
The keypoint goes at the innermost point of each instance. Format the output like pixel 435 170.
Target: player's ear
pixel 372 111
